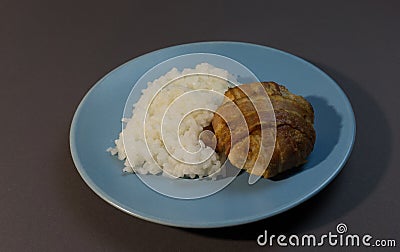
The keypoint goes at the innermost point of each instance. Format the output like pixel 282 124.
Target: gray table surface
pixel 52 52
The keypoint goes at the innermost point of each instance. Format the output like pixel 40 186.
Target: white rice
pixel 162 111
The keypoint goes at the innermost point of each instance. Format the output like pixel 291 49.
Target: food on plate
pixel 162 136
pixel 260 127
pixel 277 150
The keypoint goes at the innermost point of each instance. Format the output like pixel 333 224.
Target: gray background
pixel 52 52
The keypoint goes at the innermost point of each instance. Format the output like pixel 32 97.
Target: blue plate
pixel 97 123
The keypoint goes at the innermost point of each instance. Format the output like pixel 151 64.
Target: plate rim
pixel 248 219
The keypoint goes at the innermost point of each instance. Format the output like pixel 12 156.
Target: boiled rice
pixel 168 142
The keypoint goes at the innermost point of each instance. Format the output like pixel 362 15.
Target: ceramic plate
pixel 97 122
